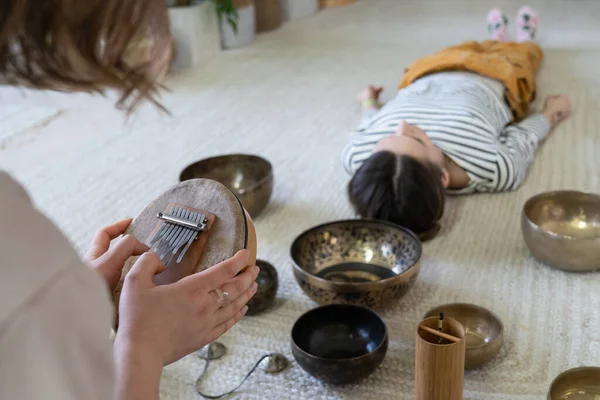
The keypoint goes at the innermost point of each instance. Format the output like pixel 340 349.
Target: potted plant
pixel 237 22
pixel 202 27
pixel 195 29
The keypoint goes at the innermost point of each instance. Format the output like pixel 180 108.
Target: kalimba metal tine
pixel 181 239
pixel 159 234
pixel 190 238
pixel 176 233
pixel 181 227
pixel 186 234
pixel 174 244
pixel 168 260
pixel 170 227
pixel 197 217
pixel 177 212
pixel 185 249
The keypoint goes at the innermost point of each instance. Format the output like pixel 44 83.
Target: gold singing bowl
pixel 562 229
pixel 576 384
pixel 359 262
pixel 484 332
pixel 248 176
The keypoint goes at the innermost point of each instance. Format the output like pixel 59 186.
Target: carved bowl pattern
pixel 361 262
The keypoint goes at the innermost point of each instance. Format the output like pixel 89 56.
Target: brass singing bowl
pixel 339 343
pixel 361 262
pixel 484 332
pixel 581 383
pixel 249 177
pixel 562 229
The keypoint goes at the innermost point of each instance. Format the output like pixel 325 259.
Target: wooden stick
pixel 441 334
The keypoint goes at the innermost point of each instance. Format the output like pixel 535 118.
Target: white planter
pixel 195 29
pixel 245 32
pixel 293 9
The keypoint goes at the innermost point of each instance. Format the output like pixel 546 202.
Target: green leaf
pixel 227 11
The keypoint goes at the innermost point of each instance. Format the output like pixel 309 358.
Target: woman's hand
pixel 169 322
pixel 556 109
pixel 110 263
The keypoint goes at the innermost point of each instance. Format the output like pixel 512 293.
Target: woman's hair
pixel 86 45
pixel 399 189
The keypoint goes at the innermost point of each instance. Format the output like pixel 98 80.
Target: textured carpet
pixel 290 97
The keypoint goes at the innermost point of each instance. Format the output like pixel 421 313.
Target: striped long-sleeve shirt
pixel 465 115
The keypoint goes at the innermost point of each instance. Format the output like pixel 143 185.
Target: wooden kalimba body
pixel 192 226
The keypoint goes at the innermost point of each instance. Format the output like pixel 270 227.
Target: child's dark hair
pixel 398 189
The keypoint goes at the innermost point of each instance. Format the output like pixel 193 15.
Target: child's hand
pixel 556 109
pixel 370 93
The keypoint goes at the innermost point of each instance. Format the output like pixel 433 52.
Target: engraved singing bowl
pixel 249 177
pixel 562 229
pixel 581 383
pixel 363 262
pixel 484 331
pixel 339 343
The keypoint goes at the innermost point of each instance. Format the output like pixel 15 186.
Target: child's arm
pixel 357 148
pixel 520 142
pixel 369 104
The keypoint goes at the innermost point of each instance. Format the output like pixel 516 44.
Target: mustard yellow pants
pixel 515 64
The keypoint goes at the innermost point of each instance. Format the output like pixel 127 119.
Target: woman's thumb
pixel 145 268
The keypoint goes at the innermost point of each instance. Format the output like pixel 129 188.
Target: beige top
pixel 55 313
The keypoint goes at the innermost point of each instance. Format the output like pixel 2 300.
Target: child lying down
pixel 459 124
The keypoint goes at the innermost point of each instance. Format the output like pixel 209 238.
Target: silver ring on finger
pixel 223 297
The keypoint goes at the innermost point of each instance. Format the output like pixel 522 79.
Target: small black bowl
pixel 268 284
pixel 339 343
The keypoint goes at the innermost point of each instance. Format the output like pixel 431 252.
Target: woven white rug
pixel 290 97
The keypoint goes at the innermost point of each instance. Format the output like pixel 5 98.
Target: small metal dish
pixel 562 229
pixel 484 332
pixel 249 177
pixel 268 284
pixel 362 262
pixel 576 384
pixel 339 343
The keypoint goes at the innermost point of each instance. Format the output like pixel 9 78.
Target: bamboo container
pixel 440 360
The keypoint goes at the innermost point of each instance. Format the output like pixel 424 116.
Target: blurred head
pixel 412 141
pixel 404 181
pixel 90 45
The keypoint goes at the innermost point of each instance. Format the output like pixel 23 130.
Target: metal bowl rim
pixel 568 372
pixel 500 334
pixel 377 316
pixel 271 268
pixel 549 234
pixel 261 181
pixel 356 284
